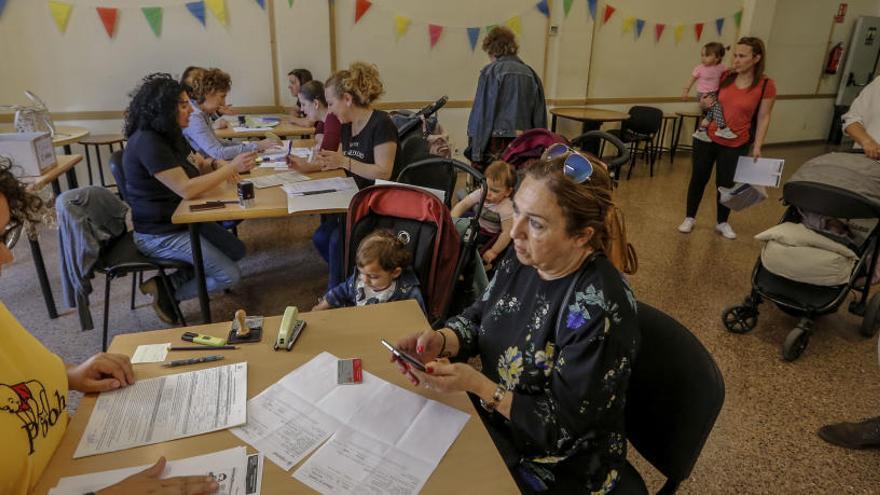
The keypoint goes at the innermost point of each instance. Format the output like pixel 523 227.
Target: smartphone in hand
pixel 409 359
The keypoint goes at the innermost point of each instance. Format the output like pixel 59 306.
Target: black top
pixel 380 129
pixel 153 203
pixel 567 416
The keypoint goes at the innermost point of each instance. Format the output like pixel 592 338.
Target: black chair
pixel 412 148
pixel 436 173
pixel 642 127
pixel 675 394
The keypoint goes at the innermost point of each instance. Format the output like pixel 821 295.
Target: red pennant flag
pixel 698 28
pixel 607 15
pixel 435 31
pixel 658 31
pixel 360 9
pixel 108 17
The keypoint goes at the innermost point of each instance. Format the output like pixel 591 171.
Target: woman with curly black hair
pixel 160 170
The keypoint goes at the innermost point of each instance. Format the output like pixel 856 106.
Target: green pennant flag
pixel 566 6
pixel 491 27
pixel 737 18
pixel 290 3
pixel 154 18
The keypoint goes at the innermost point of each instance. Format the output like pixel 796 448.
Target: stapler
pixel 289 330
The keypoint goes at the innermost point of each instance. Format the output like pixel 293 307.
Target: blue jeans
pixel 326 240
pixel 220 253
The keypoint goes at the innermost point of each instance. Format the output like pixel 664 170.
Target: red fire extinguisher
pixel 834 57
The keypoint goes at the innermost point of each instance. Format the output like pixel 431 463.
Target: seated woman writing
pixel 327 127
pixel 556 333
pixel 208 89
pixel 160 171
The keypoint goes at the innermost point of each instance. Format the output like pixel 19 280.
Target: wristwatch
pixel 496 399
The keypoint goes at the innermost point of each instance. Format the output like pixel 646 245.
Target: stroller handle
pixel 622 150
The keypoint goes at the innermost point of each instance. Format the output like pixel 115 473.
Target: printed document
pixel 321 194
pixel 166 408
pixel 279 179
pixel 763 172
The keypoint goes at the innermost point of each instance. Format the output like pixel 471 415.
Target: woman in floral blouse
pixel 556 334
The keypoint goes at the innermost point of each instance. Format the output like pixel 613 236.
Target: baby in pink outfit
pixel 707 75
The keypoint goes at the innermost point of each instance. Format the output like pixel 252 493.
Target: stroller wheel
pixel 795 343
pixel 740 319
pixel 871 320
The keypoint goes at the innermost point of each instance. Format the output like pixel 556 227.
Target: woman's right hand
pixel 267 143
pixel 244 162
pixel 148 482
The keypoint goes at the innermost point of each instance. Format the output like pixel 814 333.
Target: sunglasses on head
pixel 576 166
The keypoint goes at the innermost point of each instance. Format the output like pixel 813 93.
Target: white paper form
pixel 279 179
pixel 763 172
pixel 166 408
pixel 150 353
pixel 229 467
pixel 332 184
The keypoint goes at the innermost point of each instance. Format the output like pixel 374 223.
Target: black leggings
pixel 705 156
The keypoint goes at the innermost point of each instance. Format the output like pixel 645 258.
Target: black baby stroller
pixel 839 186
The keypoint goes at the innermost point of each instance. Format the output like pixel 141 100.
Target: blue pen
pixel 197 360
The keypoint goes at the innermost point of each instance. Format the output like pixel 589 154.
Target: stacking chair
pixel 641 128
pixel 436 173
pixel 675 394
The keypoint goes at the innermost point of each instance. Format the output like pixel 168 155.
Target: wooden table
pixel 592 119
pixel 269 203
pixel 472 464
pixel 65 163
pixel 284 129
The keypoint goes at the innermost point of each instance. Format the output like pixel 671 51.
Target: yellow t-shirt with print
pixel 33 406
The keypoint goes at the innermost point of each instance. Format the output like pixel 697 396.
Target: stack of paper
pixel 322 194
pixel 377 431
pixel 279 179
pixel 235 471
pixel 760 172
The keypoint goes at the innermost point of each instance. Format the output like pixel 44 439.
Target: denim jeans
pixel 326 240
pixel 220 253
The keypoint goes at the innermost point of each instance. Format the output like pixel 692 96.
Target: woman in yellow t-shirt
pixel 34 383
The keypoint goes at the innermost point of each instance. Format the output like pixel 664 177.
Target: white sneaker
pixel 687 226
pixel 726 230
pixel 702 136
pixel 725 133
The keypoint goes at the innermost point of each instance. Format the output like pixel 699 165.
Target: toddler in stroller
pixel 842 187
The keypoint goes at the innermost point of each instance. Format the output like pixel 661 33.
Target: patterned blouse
pixel 567 416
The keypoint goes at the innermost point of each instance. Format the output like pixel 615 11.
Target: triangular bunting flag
pixel 154 18
pixel 401 24
pixel 678 32
pixel 473 34
pixel 566 6
pixel 640 24
pixel 698 30
pixel 218 8
pixel 738 17
pixel 61 13
pixel 197 9
pixel 290 3
pixel 262 4
pixel 3 6
pixel 491 27
pixel 434 31
pixel 658 31
pixel 719 25
pixel 108 18
pixel 607 15
pixel 360 8
pixel 628 23
pixel 591 6
pixel 543 8
pixel 515 25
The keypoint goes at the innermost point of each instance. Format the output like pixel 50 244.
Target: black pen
pixel 203 348
pixel 322 191
pixel 183 362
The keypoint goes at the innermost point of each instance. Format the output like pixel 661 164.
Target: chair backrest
pixel 412 148
pixel 644 120
pixel 118 173
pixel 436 173
pixel 675 394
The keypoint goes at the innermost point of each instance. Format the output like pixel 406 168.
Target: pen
pixel 322 191
pixel 183 362
pixel 203 348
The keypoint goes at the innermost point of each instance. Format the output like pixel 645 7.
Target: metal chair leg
pixel 168 290
pixel 89 163
pixel 101 164
pixel 108 278
pixel 133 287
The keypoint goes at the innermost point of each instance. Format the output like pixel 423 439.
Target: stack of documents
pixel 760 172
pixel 235 471
pixel 279 179
pixel 322 194
pixel 382 438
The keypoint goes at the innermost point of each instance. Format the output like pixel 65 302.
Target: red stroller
pixel 424 224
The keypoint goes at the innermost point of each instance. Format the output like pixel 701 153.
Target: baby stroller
pixel 836 185
pixel 424 224
pixel 527 148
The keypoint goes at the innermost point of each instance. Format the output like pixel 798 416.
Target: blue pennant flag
pixel 473 34
pixel 542 6
pixel 640 24
pixel 719 25
pixel 3 5
pixel 591 5
pixel 198 10
pixel 262 4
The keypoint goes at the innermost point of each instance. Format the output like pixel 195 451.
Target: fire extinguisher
pixel 834 57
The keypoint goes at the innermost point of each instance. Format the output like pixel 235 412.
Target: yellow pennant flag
pixel 61 13
pixel 218 8
pixel 628 23
pixel 401 24
pixel 679 32
pixel 515 25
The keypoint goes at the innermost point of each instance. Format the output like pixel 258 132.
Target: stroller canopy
pixel 845 185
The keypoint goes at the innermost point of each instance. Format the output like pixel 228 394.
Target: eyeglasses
pixel 576 166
